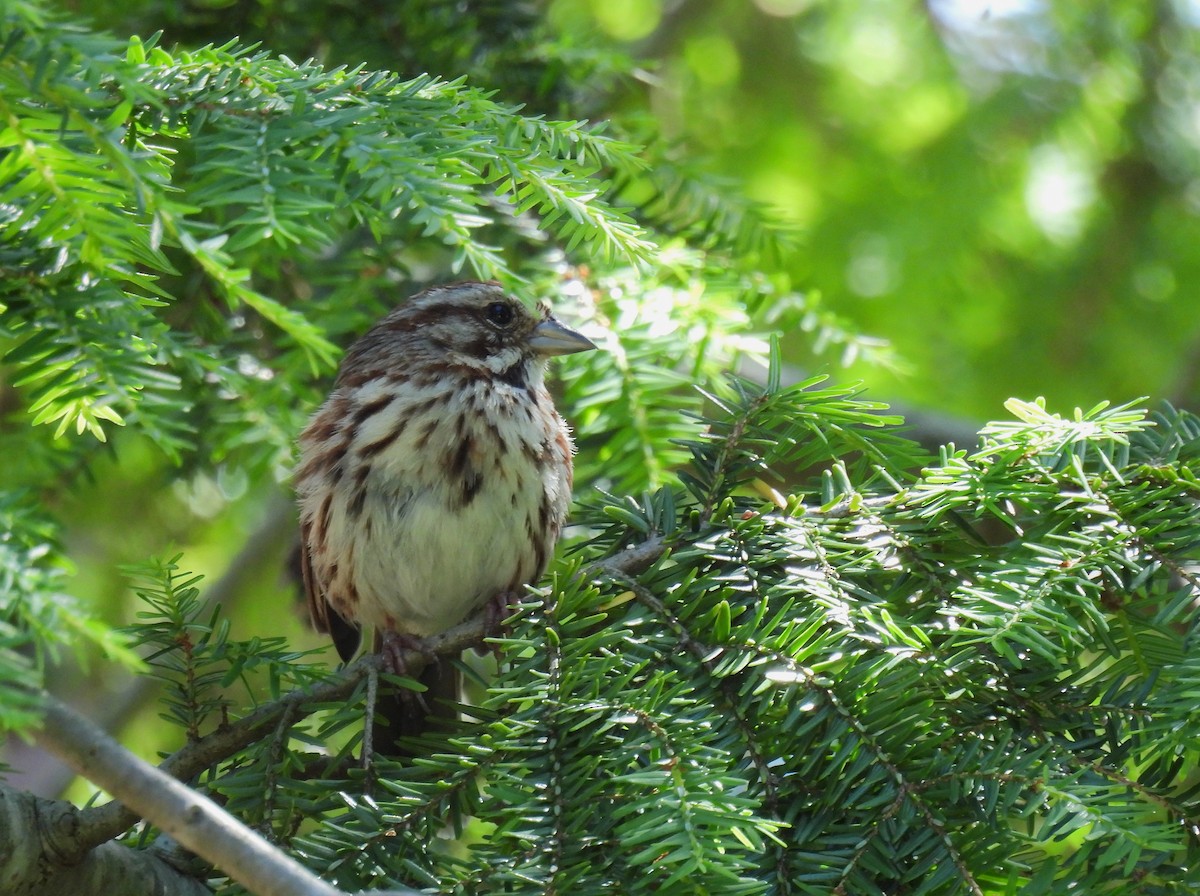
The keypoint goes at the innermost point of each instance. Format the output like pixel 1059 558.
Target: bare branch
pixel 31 828
pixel 187 816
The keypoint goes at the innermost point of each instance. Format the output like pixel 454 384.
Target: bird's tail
pixel 403 717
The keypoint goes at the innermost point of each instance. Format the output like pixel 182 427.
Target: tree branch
pixel 42 775
pixel 31 828
pixel 102 823
pixel 78 839
pixel 187 816
pixel 105 822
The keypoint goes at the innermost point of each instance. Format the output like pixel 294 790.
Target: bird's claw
pixel 394 649
pixel 495 614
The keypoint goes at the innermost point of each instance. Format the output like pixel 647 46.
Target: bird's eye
pixel 499 313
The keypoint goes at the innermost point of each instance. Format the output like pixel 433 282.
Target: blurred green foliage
pixel 1007 191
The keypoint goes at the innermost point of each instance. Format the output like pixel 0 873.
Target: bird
pixel 436 477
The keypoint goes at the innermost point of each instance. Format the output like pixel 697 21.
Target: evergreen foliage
pixel 784 649
pixel 971 677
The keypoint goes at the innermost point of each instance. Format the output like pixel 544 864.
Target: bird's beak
pixel 551 338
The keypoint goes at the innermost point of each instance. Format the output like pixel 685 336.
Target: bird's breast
pixel 464 503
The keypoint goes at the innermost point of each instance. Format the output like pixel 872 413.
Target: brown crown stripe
pixel 430 314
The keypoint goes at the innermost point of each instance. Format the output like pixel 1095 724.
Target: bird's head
pixel 470 326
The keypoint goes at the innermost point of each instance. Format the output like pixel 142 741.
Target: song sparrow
pixel 437 474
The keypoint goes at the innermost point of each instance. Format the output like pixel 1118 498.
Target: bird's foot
pixel 396 653
pixel 497 610
pixel 395 649
pixel 495 615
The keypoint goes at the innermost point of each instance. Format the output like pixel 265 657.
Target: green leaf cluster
pixel 120 170
pixel 186 644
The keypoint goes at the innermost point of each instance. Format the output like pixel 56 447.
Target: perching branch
pixel 108 821
pixel 98 825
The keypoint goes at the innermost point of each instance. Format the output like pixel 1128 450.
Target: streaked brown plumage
pixel 437 474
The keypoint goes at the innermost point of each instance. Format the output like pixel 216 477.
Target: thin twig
pixel 105 822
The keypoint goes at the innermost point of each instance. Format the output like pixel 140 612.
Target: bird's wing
pixel 345 635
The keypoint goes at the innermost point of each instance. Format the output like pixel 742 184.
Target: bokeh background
pixel 1005 191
